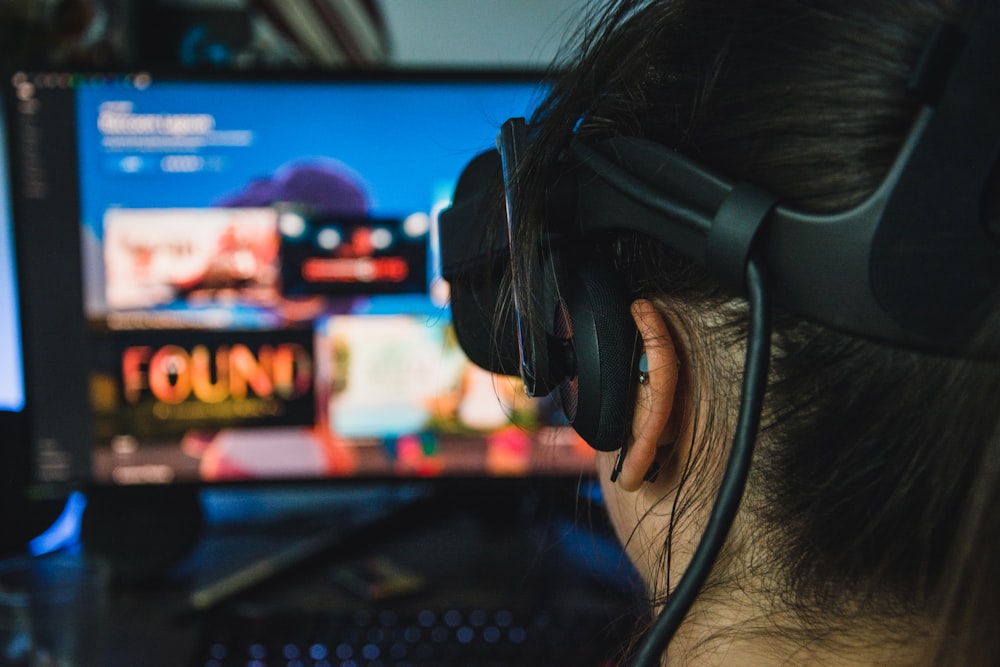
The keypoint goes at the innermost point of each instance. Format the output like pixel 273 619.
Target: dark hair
pixel 876 484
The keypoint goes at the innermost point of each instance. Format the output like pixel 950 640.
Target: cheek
pixel 624 513
pixel 620 504
pixel 611 493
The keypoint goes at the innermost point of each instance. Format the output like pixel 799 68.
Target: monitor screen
pixel 11 371
pixel 237 279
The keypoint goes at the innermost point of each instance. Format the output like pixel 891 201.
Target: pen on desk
pixel 259 571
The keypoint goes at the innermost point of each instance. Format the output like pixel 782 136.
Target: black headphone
pixel 587 354
pixel 889 269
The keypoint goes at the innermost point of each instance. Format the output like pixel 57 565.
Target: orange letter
pixel 133 377
pixel 170 374
pixel 245 369
pixel 201 374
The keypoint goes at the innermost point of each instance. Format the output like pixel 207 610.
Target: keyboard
pixel 386 637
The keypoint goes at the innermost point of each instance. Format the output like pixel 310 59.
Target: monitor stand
pixel 141 531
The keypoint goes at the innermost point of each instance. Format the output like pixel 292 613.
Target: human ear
pixel 654 401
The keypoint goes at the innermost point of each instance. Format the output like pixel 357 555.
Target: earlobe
pixel 657 386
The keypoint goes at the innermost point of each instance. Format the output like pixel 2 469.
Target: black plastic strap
pixel 733 230
pixel 936 62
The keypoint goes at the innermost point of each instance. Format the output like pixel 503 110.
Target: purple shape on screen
pixel 323 185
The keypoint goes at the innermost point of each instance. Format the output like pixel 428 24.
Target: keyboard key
pixel 421 638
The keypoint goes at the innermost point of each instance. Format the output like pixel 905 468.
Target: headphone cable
pixel 755 372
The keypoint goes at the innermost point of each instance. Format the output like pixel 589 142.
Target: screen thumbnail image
pixel 158 257
pixel 392 374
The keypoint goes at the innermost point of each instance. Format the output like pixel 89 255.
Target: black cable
pixel 755 371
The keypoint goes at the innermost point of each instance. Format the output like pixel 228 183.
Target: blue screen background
pixel 409 141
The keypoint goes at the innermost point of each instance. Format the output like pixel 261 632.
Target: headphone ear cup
pixel 593 311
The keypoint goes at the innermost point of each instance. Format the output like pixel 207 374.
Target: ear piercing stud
pixel 643 369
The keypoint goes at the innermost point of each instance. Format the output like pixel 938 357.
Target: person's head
pixel 870 507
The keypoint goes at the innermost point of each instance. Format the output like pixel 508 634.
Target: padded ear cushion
pixel 594 309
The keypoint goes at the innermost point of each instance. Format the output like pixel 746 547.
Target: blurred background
pixel 260 34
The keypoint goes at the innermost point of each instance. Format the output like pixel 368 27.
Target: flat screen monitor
pixel 236 279
pixel 11 365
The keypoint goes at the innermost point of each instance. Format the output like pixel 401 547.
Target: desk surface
pixel 456 556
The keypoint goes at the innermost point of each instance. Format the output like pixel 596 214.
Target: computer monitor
pixel 235 279
pixel 13 457
pixel 11 371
